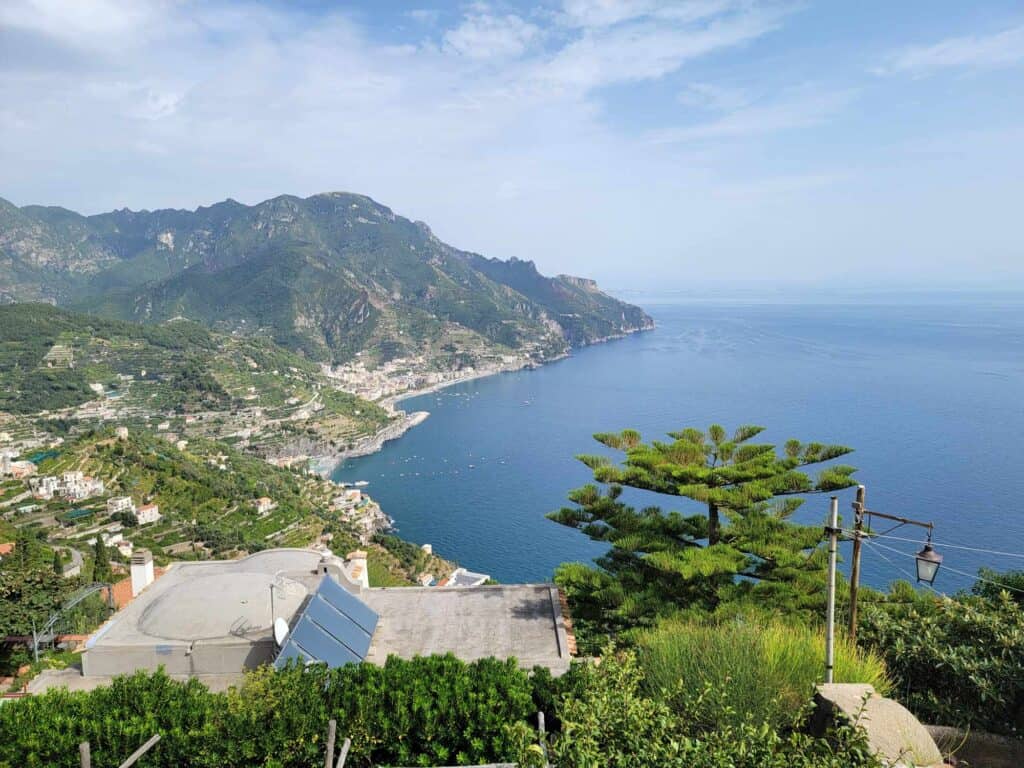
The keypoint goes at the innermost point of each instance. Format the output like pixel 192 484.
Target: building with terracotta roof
pixel 147 513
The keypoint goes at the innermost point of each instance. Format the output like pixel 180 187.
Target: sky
pixel 648 144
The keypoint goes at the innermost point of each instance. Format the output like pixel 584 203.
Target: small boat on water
pixel 361 483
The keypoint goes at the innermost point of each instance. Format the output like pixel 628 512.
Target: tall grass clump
pixel 755 668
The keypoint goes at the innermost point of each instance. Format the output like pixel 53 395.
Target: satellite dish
pixel 280 631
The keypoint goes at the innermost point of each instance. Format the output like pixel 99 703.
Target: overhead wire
pixel 946 545
pixel 953 570
pixel 897 566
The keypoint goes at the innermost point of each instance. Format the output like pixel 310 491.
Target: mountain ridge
pixel 332 275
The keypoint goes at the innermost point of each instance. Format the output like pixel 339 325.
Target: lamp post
pixel 928 560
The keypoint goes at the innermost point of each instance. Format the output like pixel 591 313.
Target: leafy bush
pixel 765 669
pixel 435 710
pixel 954 661
pixel 992 589
pixel 43 731
pixel 427 711
pixel 608 723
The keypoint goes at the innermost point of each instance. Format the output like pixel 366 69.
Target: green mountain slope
pixel 329 275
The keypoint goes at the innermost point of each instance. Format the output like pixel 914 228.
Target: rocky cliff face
pixel 329 275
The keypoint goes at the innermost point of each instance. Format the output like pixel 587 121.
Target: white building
pixel 347 499
pixel 87 488
pixel 462 578
pixel 117 504
pixel 45 487
pixel 264 505
pixel 148 513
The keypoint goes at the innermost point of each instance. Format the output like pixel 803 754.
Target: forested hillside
pixel 329 276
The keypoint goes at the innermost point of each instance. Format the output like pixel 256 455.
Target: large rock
pixel 893 733
pixel 978 749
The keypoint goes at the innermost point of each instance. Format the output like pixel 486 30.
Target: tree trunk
pixel 713 532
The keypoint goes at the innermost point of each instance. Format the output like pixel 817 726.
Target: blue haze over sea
pixel 930 395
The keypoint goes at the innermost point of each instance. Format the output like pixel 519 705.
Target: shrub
pixel 434 710
pixel 954 661
pixel 426 711
pixel 45 731
pixel 764 668
pixel 992 587
pixel 607 722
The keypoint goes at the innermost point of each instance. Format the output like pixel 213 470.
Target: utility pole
pixel 830 620
pixel 858 526
pixel 860 512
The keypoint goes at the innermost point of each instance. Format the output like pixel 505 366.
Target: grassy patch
pixel 747 667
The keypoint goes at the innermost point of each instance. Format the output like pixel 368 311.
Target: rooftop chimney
pixel 356 568
pixel 142 570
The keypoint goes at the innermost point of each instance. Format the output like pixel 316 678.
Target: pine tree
pixel 743 547
pixel 101 562
pixel 58 565
pixel 23 542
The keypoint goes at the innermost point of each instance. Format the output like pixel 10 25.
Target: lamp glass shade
pixel 928 562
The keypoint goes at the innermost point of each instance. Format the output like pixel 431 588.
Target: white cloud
pixel 85 23
pixel 487 36
pixel 183 102
pixel 606 13
pixel 1002 49
pixel 647 49
pixel 800 109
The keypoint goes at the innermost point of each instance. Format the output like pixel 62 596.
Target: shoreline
pixel 327 465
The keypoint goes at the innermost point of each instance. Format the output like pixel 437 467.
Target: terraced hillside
pixel 176 377
pixel 206 494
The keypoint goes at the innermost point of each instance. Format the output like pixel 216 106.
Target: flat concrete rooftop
pixel 205 618
pixel 520 620
pixel 214 618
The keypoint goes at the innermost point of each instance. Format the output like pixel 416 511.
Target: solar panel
pixel 349 604
pixel 290 652
pixel 320 645
pixel 335 628
pixel 338 625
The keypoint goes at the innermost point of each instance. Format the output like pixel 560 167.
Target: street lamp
pixel 928 562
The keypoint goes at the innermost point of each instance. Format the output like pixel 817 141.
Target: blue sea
pixel 930 395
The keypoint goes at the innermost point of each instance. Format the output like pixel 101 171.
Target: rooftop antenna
pixel 280 631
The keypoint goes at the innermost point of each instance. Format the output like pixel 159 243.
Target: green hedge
pixel 427 711
pixel 424 712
